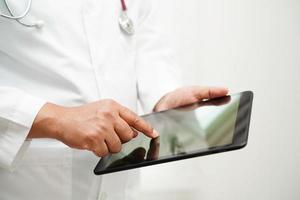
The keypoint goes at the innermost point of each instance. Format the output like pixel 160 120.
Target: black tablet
pixel 203 128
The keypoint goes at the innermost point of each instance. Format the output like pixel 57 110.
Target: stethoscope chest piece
pixel 126 23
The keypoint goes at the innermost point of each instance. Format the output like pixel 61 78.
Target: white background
pixel 244 45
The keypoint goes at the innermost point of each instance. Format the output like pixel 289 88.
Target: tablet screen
pixel 198 127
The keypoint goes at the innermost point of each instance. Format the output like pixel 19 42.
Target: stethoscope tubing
pixel 21 16
pixel 39 24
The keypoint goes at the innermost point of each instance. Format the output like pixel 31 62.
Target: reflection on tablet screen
pixel 200 126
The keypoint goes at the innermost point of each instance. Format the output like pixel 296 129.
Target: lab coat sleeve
pixel 157 70
pixel 17 113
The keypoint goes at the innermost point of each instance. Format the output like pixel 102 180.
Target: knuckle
pixel 86 146
pixel 126 111
pixel 98 137
pixel 115 147
pixel 101 153
pixel 137 121
pixel 105 152
pixel 107 114
pixel 102 128
pixel 88 141
pixel 127 137
pixel 93 136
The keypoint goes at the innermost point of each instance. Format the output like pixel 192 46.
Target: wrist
pixel 47 123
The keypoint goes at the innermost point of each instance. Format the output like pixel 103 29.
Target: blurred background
pixel 244 45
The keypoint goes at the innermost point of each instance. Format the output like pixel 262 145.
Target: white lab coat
pixel 79 56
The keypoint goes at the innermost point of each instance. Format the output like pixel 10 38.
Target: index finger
pixel 137 122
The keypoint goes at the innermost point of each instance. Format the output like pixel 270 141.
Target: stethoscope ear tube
pixel 11 16
pixel 38 24
pixel 125 22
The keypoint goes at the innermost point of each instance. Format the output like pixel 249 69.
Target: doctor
pixel 70 80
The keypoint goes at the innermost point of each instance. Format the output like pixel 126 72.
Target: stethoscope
pixel 125 22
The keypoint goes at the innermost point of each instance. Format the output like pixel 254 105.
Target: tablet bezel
pixel 240 139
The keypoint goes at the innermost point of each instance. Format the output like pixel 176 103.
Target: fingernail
pixel 155 133
pixel 135 134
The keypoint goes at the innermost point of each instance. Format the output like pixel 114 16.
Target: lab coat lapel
pixel 100 22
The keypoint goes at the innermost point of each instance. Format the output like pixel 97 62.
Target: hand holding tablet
pixel 201 128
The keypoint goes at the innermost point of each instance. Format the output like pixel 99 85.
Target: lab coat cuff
pixel 13 142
